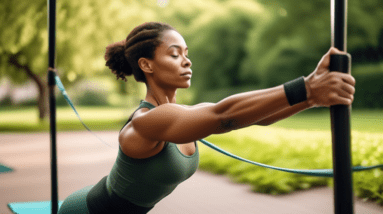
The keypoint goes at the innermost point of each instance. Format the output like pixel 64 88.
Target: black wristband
pixel 295 91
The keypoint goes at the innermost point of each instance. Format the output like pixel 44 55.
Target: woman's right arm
pixel 179 124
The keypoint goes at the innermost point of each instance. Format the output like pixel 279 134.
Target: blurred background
pixel 235 46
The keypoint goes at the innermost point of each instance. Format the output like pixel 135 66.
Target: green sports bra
pixel 145 182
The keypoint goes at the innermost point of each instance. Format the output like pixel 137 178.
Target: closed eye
pixel 175 56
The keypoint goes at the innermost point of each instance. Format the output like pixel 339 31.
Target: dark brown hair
pixel 122 57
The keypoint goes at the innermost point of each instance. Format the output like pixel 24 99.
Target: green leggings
pixel 76 202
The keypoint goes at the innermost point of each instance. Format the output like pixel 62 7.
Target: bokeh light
pixel 162 3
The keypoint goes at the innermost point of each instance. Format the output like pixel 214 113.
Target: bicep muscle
pixel 177 124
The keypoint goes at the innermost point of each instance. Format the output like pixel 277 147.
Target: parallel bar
pixel 340 116
pixel 52 101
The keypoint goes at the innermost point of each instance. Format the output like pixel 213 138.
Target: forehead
pixel 171 37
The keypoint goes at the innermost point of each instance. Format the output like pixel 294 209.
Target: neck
pixel 159 96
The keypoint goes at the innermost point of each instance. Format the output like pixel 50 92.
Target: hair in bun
pixel 122 57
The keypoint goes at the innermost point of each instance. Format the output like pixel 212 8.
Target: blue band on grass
pixel 295 91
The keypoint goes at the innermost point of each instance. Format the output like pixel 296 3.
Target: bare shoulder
pixel 133 144
pixel 146 133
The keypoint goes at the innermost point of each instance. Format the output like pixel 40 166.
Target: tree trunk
pixel 43 101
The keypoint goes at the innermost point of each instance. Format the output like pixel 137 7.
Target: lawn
pixel 96 118
pixel 361 120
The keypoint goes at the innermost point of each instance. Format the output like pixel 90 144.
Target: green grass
pixel 361 120
pixel 96 118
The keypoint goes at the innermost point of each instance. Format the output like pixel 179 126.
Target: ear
pixel 145 65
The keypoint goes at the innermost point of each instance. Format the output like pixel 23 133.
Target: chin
pixel 185 85
pixel 188 85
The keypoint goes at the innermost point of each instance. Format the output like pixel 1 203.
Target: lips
pixel 187 73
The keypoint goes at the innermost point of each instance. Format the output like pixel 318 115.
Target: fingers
pixel 346 92
pixel 334 88
pixel 325 61
pixel 346 88
pixel 349 89
pixel 345 101
pixel 346 81
pixel 348 78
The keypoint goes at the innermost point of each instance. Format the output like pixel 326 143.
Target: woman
pixel 148 166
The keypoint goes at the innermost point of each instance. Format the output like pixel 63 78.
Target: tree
pixel 22 42
pixel 84 29
pixel 291 44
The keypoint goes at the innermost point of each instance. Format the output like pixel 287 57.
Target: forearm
pixel 285 113
pixel 290 110
pixel 247 108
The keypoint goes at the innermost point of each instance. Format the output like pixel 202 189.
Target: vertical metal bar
pixel 52 102
pixel 340 116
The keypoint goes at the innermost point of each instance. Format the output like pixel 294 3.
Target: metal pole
pixel 340 115
pixel 52 101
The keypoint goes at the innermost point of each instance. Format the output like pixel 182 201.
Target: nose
pixel 187 62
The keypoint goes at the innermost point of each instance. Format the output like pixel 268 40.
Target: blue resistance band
pixel 315 172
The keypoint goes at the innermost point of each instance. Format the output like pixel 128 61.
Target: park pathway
pixel 83 161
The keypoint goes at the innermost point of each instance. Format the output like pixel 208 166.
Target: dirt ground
pixel 83 161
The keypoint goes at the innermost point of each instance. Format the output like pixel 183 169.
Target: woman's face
pixel 171 65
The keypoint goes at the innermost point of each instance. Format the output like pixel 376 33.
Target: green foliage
pixel 273 146
pixel 368 150
pixel 275 44
pixel 369 88
pixel 219 35
pixel 6 101
pixel 232 43
pixel 296 38
pixel 217 95
pixel 84 29
pixel 290 44
pixel 24 32
pixel 92 98
pixel 292 149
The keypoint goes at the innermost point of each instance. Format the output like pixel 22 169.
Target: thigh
pixel 101 201
pixel 76 202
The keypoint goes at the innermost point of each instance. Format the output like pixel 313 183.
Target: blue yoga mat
pixel 4 169
pixel 33 207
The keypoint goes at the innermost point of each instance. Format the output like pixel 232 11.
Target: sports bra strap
pixel 143 104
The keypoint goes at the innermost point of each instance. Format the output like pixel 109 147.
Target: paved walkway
pixel 83 160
